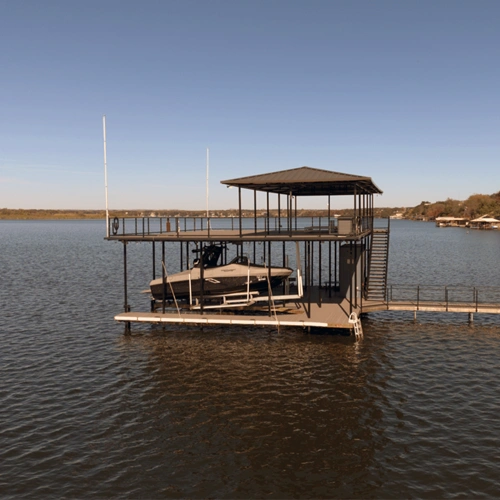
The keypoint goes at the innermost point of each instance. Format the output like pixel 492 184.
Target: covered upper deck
pixel 281 223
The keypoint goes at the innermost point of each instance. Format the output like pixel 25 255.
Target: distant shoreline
pixel 46 214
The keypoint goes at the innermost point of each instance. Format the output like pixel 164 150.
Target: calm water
pixel 410 411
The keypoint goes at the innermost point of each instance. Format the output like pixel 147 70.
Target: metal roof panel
pixel 307 181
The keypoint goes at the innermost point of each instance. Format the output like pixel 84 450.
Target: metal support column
pixel 279 213
pixel 269 277
pixel 239 207
pixel 267 215
pixel 152 305
pixel 202 279
pixel 330 268
pixel 255 210
pixel 163 278
pixel 126 307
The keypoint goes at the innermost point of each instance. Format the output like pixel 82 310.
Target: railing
pixel 444 296
pixel 155 225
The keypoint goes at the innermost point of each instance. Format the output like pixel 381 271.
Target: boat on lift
pixel 238 276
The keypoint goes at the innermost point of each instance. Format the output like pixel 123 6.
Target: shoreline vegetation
pixel 45 214
pixel 477 205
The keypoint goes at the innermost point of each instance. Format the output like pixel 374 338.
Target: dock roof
pixel 485 219
pixel 307 181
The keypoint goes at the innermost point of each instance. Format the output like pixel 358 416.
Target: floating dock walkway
pixel 451 299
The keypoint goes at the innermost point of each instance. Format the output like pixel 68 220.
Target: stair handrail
pixel 385 230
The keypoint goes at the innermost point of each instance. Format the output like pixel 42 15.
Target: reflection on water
pixel 257 401
pixel 410 411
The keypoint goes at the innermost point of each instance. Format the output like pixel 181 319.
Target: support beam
pixel 126 307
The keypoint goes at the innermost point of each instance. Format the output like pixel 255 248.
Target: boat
pixel 239 276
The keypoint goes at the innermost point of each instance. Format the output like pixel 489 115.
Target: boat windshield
pixel 211 254
pixel 241 259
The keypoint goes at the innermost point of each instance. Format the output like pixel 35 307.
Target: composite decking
pixel 431 306
pixel 326 314
pixel 316 309
pixel 235 235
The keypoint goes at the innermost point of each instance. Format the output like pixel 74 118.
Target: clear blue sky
pixel 406 92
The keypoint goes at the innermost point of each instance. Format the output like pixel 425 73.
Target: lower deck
pixel 317 308
pixel 322 312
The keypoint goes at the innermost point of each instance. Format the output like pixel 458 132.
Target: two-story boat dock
pixel 339 263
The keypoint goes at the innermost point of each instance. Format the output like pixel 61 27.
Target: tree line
pixel 473 207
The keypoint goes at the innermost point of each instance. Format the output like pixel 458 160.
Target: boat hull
pixel 222 280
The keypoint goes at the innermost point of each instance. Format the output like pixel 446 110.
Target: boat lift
pixel 247 298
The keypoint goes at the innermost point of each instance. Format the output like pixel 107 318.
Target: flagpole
pixel 105 175
pixel 208 214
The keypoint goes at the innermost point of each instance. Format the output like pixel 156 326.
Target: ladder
pixel 356 322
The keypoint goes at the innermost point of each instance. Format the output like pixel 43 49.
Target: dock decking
pixel 326 315
pixel 244 235
pixel 429 306
pixel 433 298
pixel 317 308
pixel 330 317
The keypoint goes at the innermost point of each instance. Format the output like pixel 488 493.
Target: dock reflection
pixel 286 414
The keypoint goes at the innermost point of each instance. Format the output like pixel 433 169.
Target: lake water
pixel 409 411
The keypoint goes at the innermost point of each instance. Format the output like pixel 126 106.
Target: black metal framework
pixel 335 253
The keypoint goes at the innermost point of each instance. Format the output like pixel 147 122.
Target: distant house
pixel 451 222
pixel 398 215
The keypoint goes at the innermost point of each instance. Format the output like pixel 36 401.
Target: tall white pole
pixel 105 175
pixel 208 214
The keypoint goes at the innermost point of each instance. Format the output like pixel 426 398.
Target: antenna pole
pixel 105 175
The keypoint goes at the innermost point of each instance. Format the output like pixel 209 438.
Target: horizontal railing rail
pixel 444 296
pixel 155 225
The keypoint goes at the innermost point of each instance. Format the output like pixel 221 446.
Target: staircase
pixel 377 272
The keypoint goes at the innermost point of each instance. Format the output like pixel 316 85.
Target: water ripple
pixel 410 411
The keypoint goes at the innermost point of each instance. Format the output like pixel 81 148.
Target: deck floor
pixel 234 235
pixel 324 311
pixel 430 306
pixel 317 308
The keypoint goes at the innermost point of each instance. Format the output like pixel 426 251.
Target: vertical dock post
pixel 202 278
pixel 163 277
pixel 154 276
pixel 269 290
pixel 239 210
pixel 329 268
pixel 126 307
pixel 154 261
